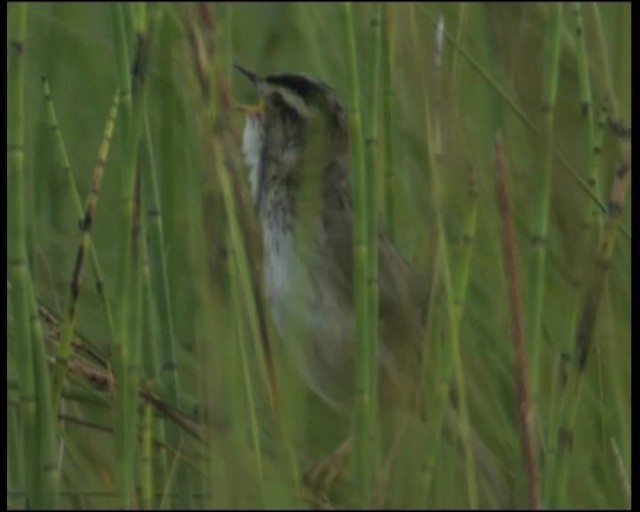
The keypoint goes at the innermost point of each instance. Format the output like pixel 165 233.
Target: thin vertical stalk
pixel 168 369
pixel 68 326
pixel 437 101
pixel 127 293
pixel 387 92
pixel 75 196
pixel 468 237
pixel 591 225
pixel 517 325
pixel 163 368
pixel 246 373
pixel 240 270
pixel 159 273
pixel 515 108
pixel 372 147
pixel 227 42
pixel 365 363
pixel 38 448
pixel 543 189
pixel 18 269
pixel 243 264
pixel 583 334
pixel 452 359
pixel 586 101
pixel 146 457
pixel 622 472
pixel 47 443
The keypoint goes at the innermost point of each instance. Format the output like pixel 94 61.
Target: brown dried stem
pixel 517 322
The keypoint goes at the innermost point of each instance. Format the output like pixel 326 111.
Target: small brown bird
pixel 296 145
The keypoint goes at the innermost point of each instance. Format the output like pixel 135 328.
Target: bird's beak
pixel 249 74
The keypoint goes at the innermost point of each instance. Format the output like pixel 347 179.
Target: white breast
pixel 252 141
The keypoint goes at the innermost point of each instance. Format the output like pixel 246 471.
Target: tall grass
pixel 191 401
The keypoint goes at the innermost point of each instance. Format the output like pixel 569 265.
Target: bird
pixel 296 148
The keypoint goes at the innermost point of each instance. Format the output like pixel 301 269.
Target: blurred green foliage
pixel 492 80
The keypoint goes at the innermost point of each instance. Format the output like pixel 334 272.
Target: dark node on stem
pixel 615 208
pixel 75 289
pixel 153 213
pixel 467 239
pixel 591 182
pixel 13 263
pixel 565 358
pixel 18 46
pixel 584 109
pixel 100 286
pixel 169 366
pixel 565 438
pixel 86 222
pixel 139 71
pixel 618 129
pixel 453 396
pixel 597 149
pixel 538 240
pixel 547 108
pixel 15 148
pixel 623 169
pixel 582 347
pixel 370 141
pixel 603 264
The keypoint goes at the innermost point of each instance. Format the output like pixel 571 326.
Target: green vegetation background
pixel 493 79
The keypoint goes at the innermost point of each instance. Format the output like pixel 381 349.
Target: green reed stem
pixel 159 349
pixel 241 271
pixel 126 341
pixel 66 167
pixel 18 269
pixel 591 225
pixel 372 147
pixel 246 373
pixel 452 359
pixel 36 415
pixel 586 101
pixel 388 144
pixel 48 469
pixel 543 190
pixel 467 242
pixel 146 457
pixel 512 104
pixel 582 335
pixel 365 343
pixel 69 322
